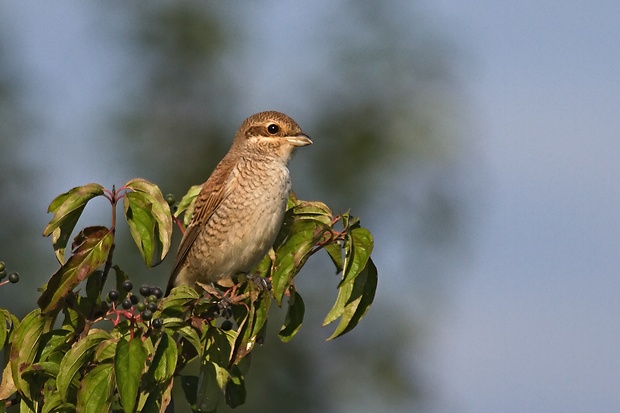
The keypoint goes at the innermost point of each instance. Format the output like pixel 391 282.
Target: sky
pixel 533 320
pixel 535 325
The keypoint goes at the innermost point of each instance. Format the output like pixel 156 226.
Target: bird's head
pixel 270 134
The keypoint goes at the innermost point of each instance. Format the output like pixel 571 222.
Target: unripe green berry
pixel 140 306
pixel 2 266
pixel 170 199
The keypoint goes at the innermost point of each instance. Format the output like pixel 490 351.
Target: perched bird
pixel 240 208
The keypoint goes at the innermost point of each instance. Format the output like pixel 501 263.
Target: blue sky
pixel 535 325
pixel 533 320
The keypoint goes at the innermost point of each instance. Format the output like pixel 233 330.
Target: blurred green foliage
pixel 377 92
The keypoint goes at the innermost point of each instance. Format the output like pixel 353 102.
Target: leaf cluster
pixel 81 352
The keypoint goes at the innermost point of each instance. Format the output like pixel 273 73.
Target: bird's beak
pixel 298 140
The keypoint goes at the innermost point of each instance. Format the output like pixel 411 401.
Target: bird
pixel 240 208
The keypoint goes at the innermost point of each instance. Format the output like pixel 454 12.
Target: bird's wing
pixel 210 197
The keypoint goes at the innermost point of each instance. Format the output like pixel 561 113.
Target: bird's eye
pixel 273 129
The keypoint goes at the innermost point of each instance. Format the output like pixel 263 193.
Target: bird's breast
pixel 244 226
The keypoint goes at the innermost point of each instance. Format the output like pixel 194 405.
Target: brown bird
pixel 240 208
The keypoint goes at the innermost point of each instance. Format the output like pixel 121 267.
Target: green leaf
pixel 358 246
pixel 75 359
pixel 293 253
pixel 189 384
pixel 213 376
pixel 294 316
pixel 7 385
pixel 91 248
pixel 120 277
pixel 160 208
pixel 53 403
pixel 148 198
pixel 129 363
pixel 164 361
pixel 25 406
pixel 96 390
pixel 187 204
pixel 38 370
pixel 138 212
pixel 67 209
pixel 25 347
pixel 105 350
pixel 354 300
pixel 235 388
pixel 7 326
pixel 251 321
pixel 211 381
pixel 311 208
pixel 158 399
pixel 179 297
pixel 335 253
pixel 4 328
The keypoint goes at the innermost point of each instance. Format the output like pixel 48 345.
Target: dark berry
pixel 140 306
pixel 157 323
pixel 151 306
pixel 145 291
pixel 13 277
pixel 134 299
pixel 127 304
pixel 226 325
pixel 170 199
pixel 147 315
pixel 157 292
pixel 127 285
pixel 113 296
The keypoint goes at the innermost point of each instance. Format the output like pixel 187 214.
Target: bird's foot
pixel 263 283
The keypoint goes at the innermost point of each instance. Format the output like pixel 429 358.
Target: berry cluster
pixel 13 277
pixel 146 306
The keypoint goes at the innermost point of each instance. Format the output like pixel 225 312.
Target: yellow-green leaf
pixel 354 300
pixel 159 211
pixel 186 205
pixel 293 252
pixel 358 246
pixel 26 345
pixel 96 390
pixel 67 209
pixel 75 359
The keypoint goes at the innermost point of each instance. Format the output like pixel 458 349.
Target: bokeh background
pixel 478 140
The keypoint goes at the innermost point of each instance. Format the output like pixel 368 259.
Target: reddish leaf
pixel 91 248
